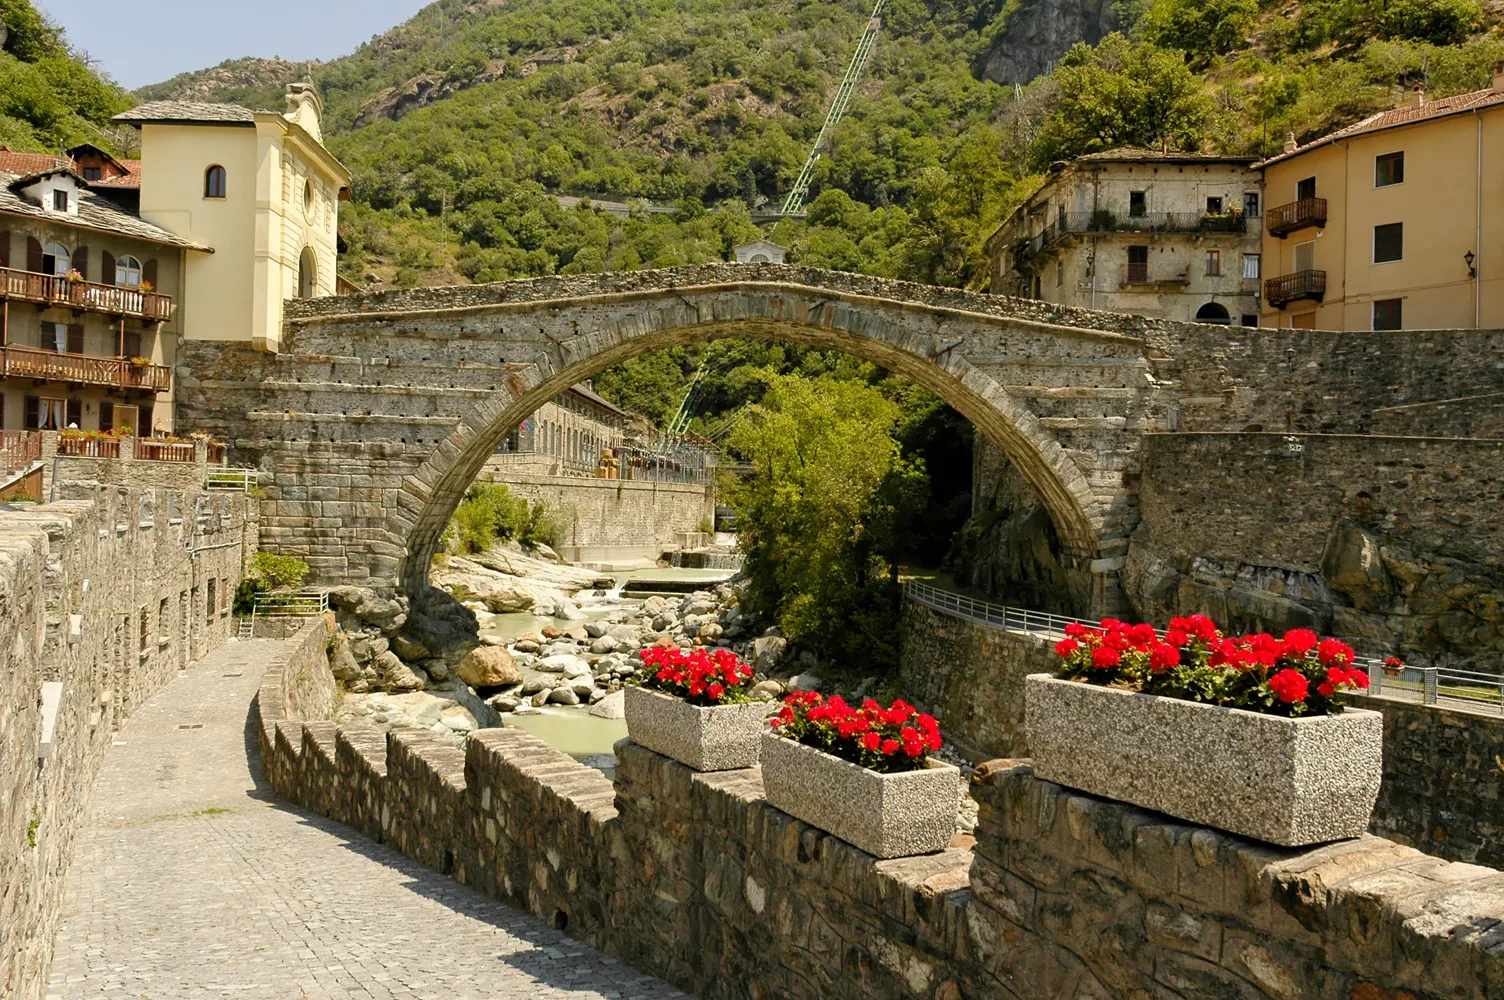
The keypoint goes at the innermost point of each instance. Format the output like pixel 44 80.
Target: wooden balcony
pixel 82 369
pixel 1280 292
pixel 1302 214
pixel 84 296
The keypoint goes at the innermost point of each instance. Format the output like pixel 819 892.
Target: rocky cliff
pixel 1038 32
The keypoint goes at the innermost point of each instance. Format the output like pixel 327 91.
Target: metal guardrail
pixel 302 604
pixel 1444 687
pixel 230 480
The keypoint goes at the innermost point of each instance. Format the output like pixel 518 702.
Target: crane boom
pixel 838 108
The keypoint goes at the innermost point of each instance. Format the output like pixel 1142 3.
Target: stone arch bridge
pixel 381 408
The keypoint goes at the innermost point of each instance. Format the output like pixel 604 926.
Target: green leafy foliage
pixel 278 571
pixel 49 98
pixel 1199 28
pixel 490 513
pixel 824 515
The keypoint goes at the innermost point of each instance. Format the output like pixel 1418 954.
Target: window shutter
pixel 149 272
pixel 33 255
pixel 133 343
pixel 75 338
pixel 4 248
pixel 80 262
pixel 75 413
pixel 106 416
pixel 31 421
pixel 107 267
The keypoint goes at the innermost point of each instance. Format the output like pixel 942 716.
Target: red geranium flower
pixel 1290 686
pixel 1105 658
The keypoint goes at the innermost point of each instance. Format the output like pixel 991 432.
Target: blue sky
pixel 151 40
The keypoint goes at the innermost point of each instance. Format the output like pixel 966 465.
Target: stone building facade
pixel 568 434
pixel 1168 235
pixel 108 596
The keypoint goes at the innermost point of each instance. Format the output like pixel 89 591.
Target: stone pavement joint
pixel 193 881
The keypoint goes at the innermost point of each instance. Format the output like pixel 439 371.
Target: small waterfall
pixel 706 560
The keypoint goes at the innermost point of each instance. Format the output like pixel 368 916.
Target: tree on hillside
pixel 1123 93
pixel 1201 29
pixel 824 513
pixel 1352 22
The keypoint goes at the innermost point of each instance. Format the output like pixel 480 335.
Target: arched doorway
pixel 307 274
pixel 1214 312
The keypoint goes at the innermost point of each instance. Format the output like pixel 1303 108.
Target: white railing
pixel 302 604
pixel 1445 687
pixel 231 480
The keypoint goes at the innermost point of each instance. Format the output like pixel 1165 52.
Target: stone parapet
pixel 107 595
pixel 697 879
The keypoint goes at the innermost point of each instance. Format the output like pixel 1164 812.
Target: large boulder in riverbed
pixel 613 706
pixel 489 666
pixel 396 675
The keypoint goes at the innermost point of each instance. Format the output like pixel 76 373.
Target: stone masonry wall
pixel 106 593
pixel 971 677
pixel 1442 775
pixel 1392 543
pixel 606 514
pixel 695 878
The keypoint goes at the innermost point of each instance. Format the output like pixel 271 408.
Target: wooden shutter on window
pixel 149 271
pixel 33 255
pixel 31 421
pixel 4 248
pixel 75 413
pixel 133 343
pixel 80 262
pixel 75 338
pixel 106 267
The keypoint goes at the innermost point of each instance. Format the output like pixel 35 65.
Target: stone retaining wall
pixel 606 514
pixel 105 593
pixel 695 878
pixel 971 677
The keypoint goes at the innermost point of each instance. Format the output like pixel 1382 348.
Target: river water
pixel 573 729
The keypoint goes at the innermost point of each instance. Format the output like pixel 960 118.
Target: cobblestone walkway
pixel 192 881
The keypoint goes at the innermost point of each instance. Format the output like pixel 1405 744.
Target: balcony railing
pixel 1074 223
pixel 82 369
pixel 52 289
pixel 1281 291
pixel 1134 273
pixel 18 449
pixel 79 446
pixel 154 450
pixel 1286 219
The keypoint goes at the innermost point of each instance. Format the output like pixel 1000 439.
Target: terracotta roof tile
pixel 131 179
pixel 1396 117
pixel 21 164
pixel 94 213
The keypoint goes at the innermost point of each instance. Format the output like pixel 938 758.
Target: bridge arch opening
pixel 440 485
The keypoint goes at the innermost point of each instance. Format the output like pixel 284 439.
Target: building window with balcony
pixel 1388 314
pixel 1214 206
pixel 1214 263
pixel 214 182
pixel 1138 204
pixel 127 272
pixel 1252 266
pixel 1138 264
pixel 1305 189
pixel 56 259
pixel 1389 242
pixel 1389 169
pixel 46 413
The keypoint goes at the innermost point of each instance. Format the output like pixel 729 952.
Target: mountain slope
pixel 49 99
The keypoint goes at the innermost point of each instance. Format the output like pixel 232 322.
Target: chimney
pixel 1290 144
pixel 1499 76
pixel 1418 96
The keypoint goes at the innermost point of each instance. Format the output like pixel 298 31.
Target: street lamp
pixel 1472 272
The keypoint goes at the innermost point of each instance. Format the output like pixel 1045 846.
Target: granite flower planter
pixel 1290 782
pixel 720 738
pixel 887 815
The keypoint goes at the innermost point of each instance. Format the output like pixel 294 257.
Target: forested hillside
pixel 49 99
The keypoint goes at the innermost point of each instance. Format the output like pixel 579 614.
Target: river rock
pixel 503 702
pixel 409 649
pixel 369 606
pixel 541 698
pixel 604 644
pixel 535 684
pixel 436 668
pixel 564 663
pixel 711 631
pixel 457 719
pixel 527 708
pixel 489 666
pixel 768 690
pixel 805 682
pixel 526 646
pixel 583 687
pixel 595 629
pixel 767 651
pixel 654 606
pixel 549 632
pixel 612 706
pixel 568 611
pixel 343 664
pixel 665 623
pixel 563 696
pixel 396 675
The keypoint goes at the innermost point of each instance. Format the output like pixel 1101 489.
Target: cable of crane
pixel 838 106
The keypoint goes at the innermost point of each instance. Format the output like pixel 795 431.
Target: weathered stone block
pixel 1285 781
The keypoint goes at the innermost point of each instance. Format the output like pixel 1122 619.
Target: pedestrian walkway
pixel 193 881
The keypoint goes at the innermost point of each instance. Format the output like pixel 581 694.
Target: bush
pixel 1200 28
pixel 277 571
pixel 491 513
